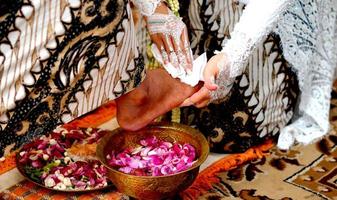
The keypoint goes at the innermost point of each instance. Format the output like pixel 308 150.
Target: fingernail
pixel 185 103
pixel 212 79
pixel 189 71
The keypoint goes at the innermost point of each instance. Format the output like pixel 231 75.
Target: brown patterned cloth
pixel 304 172
pixel 59 60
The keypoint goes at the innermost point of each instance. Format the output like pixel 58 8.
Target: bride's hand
pixel 203 96
pixel 169 33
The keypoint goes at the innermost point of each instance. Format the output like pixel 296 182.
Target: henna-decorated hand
pixel 169 33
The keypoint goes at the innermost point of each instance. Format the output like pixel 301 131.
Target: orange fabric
pixel 22 188
pixel 8 164
pixel 58 196
pixel 38 195
pixel 87 197
pixel 40 192
pixel 96 117
pixel 29 191
pixel 113 196
pixel 107 196
pixel 208 177
pixel 19 191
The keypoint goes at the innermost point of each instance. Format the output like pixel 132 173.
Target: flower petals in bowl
pixel 154 157
pixel 46 161
pixel 156 162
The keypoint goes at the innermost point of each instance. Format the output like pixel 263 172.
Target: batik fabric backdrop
pixel 60 59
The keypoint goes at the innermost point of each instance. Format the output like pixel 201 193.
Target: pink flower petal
pixel 149 141
pixel 134 163
pixel 92 181
pixel 126 170
pixel 37 164
pixel 156 172
pixel 156 160
pixel 145 151
pixel 137 150
pixel 181 166
pixel 176 148
pixel 43 145
pixel 175 161
pixel 166 144
pixel 165 170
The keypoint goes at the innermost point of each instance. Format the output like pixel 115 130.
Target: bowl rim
pixel 192 131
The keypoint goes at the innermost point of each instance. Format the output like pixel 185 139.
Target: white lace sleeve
pixel 308 32
pixel 257 20
pixel 146 7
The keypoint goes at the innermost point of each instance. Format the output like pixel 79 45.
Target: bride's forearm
pixel 147 7
pixel 257 21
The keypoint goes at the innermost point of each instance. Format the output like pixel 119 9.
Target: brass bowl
pixel 153 187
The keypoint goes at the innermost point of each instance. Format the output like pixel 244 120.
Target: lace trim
pixel 252 28
pixel 298 132
pixel 146 7
pixel 225 83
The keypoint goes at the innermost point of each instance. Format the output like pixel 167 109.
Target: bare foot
pixel 158 94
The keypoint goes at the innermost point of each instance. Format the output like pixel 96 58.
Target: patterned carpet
pixel 304 172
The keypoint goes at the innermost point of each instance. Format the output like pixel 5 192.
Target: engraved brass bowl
pixel 153 187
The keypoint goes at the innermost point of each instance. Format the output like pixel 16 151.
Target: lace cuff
pixel 224 81
pixel 257 20
pixel 304 130
pixel 146 7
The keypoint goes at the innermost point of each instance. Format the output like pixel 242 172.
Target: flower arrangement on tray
pixel 64 160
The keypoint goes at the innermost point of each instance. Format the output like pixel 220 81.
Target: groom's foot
pixel 158 94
